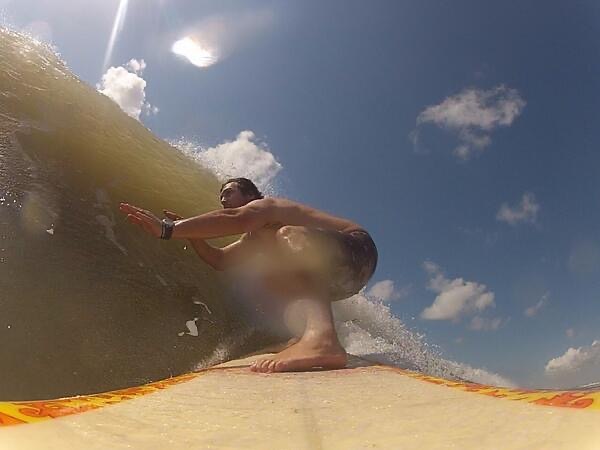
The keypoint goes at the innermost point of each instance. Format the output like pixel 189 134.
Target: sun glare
pixel 194 52
pixel 116 29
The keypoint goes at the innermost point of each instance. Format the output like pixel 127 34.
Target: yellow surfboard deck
pixel 363 406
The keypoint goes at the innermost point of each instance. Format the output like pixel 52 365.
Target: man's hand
pixel 171 215
pixel 145 219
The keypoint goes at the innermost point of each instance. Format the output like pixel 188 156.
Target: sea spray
pixel 368 328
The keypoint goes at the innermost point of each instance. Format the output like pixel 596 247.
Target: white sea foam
pixel 368 328
pixel 192 327
pixel 225 349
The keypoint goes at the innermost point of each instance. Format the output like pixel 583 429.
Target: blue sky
pixel 464 135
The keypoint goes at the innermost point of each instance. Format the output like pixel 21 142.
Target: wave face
pixel 88 303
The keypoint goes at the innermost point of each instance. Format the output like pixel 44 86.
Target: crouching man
pixel 313 258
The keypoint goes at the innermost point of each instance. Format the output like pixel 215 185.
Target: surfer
pixel 309 256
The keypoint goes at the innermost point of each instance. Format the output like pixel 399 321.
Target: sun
pixel 194 52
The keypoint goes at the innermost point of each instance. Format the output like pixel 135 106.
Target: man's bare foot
pixel 275 348
pixel 307 354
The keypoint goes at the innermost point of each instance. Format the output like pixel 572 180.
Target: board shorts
pixel 351 261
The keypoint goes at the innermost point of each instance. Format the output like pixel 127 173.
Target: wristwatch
pixel 166 231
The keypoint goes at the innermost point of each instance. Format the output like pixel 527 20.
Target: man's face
pixel 232 196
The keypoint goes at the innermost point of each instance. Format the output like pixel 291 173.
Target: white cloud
pixel 484 324
pixel 127 88
pixel 525 212
pixel 243 157
pixel 386 291
pixel 473 114
pixel 575 358
pixel 136 66
pixel 456 298
pixel 576 365
pixel 533 310
pixel 218 36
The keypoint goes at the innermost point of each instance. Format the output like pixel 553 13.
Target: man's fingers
pixel 139 218
pixel 171 215
pixel 134 219
pixel 130 209
pixel 148 224
pixel 126 207
pixel 142 217
pixel 145 217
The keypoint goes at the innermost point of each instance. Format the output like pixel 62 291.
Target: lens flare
pixel 195 52
pixel 117 27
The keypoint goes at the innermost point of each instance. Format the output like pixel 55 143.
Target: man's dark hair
pixel 246 186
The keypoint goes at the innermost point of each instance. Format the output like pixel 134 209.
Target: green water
pixel 87 302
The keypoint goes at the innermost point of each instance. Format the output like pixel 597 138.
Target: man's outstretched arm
pixel 219 223
pixel 213 256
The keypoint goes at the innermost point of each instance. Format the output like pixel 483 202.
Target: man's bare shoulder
pixel 288 212
pixel 280 201
pixel 280 204
pixel 275 203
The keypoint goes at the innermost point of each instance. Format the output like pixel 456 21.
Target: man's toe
pixel 262 365
pixel 271 366
pixel 281 366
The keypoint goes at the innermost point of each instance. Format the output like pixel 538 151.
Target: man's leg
pixel 318 347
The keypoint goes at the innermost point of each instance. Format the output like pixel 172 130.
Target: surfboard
pixel 366 405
